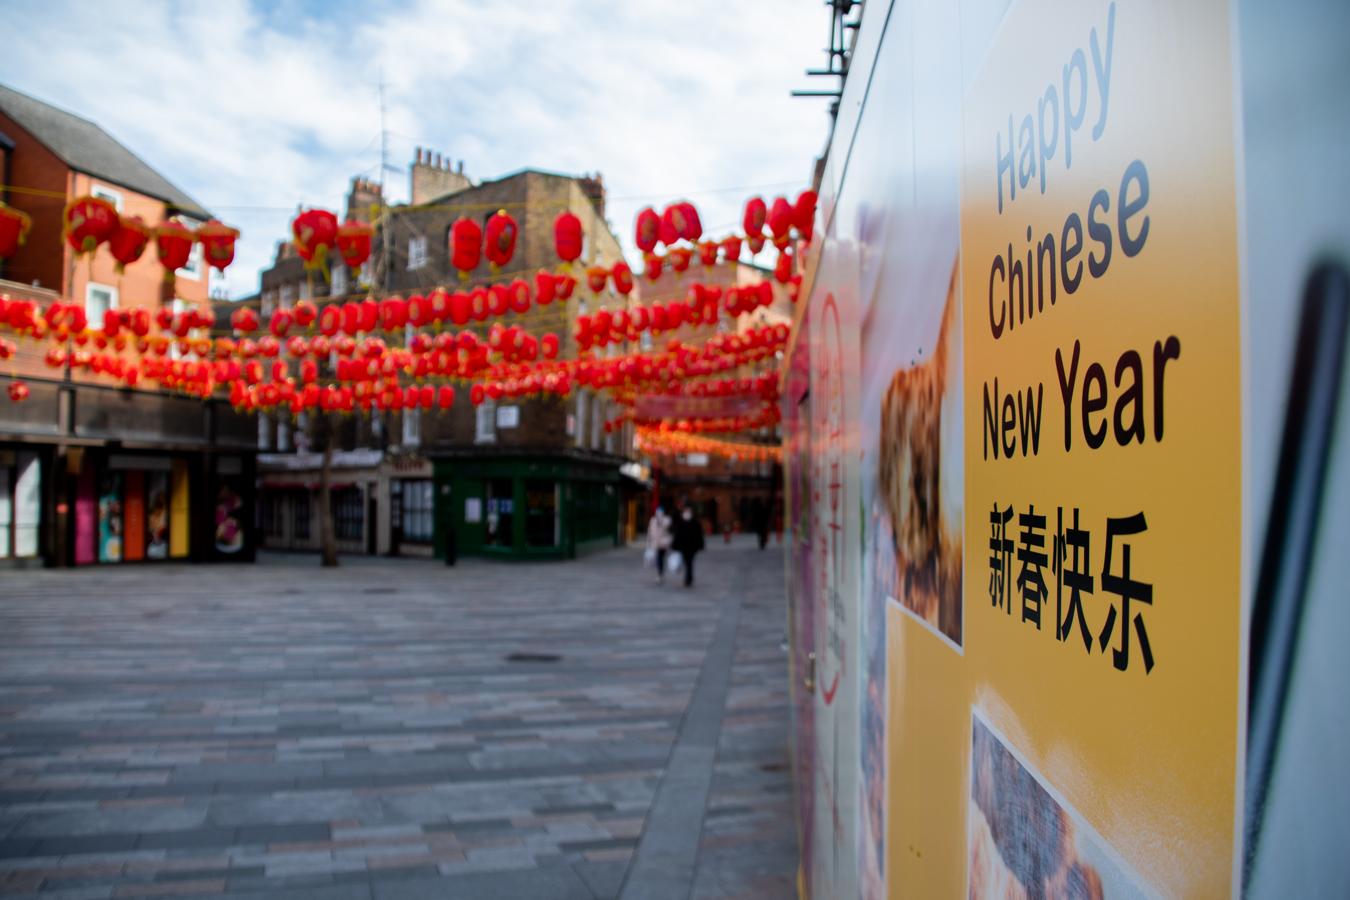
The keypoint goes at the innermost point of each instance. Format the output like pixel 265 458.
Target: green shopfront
pixel 526 507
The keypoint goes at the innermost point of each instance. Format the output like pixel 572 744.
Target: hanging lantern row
pixel 92 221
pixel 317 235
pixel 763 386
pixel 673 442
pixel 703 307
pixel 766 417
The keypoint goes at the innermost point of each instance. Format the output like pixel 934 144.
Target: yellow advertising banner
pixel 1099 732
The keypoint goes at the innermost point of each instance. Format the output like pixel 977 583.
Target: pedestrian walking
pixel 659 538
pixel 688 541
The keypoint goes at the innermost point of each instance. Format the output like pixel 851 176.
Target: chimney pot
pixel 460 170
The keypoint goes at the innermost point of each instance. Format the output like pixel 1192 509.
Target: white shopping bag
pixel 675 562
pixel 649 558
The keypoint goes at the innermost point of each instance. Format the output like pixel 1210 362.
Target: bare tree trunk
pixel 327 540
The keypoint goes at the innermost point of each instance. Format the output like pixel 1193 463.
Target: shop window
pixel 6 510
pixel 300 515
pixel 109 536
pixel 273 515
pixel 499 524
pixel 157 514
pixel 348 514
pixel 264 432
pixel 541 513
pixel 417 511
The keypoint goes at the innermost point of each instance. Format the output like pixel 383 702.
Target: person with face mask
pixel 659 539
pixel 688 541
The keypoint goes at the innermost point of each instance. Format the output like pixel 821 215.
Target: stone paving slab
pixel 284 731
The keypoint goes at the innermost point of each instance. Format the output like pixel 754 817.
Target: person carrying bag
pixel 659 538
pixel 688 541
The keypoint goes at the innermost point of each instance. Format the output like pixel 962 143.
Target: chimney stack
pixel 431 177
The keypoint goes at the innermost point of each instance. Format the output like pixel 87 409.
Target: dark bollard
pixel 450 546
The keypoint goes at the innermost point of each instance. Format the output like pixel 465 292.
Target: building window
pixel 339 284
pixel 412 427
pixel 417 252
pixel 287 296
pixel 98 299
pixel 485 423
pixel 107 193
pixel 300 516
pixel 283 435
pixel 348 514
pixel 417 511
pixel 264 432
pixel 193 269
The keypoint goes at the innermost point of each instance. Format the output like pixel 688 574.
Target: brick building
pixel 92 471
pixel 533 478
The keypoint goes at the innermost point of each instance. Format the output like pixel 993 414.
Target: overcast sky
pixel 253 108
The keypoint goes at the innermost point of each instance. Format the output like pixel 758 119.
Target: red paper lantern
pixel 315 233
pixel 673 224
pixel 305 313
pixel 549 343
pixel 476 393
pixel 679 258
pixel 693 227
pixel 460 308
pixel 545 287
pixel 217 240
pixel 89 221
pixel 244 320
pixel 755 242
pixel 14 226
pixel 648 230
pixel 354 241
pixel 752 222
pixel 731 248
pixel 128 242
pixel 445 396
pixel 18 391
pixel 500 243
pixel 653 267
pixel 480 304
pixel 393 313
pixel 567 236
pixel 596 276
pixel 707 253
pixel 466 246
pixel 520 295
pixel 782 270
pixel 565 285
pixel 499 300
pixel 623 278
pixel 780 221
pixel 173 243
pixel 804 214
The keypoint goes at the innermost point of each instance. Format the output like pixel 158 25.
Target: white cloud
pixel 255 109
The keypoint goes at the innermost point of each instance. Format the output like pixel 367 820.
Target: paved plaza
pixel 396 729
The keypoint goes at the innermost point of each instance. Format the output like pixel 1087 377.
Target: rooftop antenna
pixel 842 32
